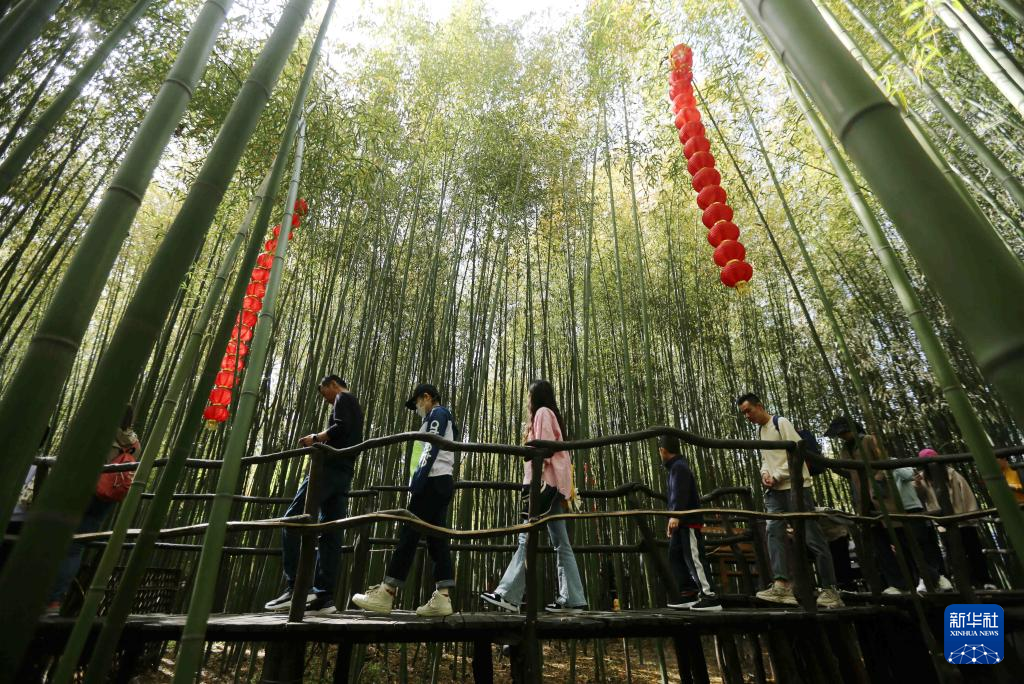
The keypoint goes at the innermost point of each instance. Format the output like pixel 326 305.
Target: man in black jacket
pixel 344 429
pixel 686 541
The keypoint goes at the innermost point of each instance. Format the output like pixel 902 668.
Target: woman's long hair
pixel 542 395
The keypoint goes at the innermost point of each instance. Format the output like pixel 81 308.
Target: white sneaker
pixel 891 591
pixel 921 588
pixel 829 598
pixel 944 584
pixel 439 605
pixel 777 594
pixel 377 599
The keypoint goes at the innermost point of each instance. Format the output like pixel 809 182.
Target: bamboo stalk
pixel 191 651
pixel 14 163
pixel 154 443
pixel 47 531
pixel 987 63
pixel 966 261
pixel 984 154
pixel 26 23
pixel 48 360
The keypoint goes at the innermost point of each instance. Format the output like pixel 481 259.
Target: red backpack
pixel 114 486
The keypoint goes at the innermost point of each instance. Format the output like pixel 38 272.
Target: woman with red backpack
pixel 110 489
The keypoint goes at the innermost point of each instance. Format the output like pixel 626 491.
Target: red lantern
pixel 296 221
pixel 677 89
pixel 690 130
pixel 260 275
pixel 247 318
pixel 301 207
pixel 681 56
pixel 723 230
pixel 715 213
pixel 232 363
pixel 698 143
pixel 277 230
pixel 225 379
pixel 253 304
pixel 242 333
pixel 220 396
pixel 679 76
pixel 265 261
pixel 680 102
pixel 256 290
pixel 729 250
pixel 215 414
pixel 705 177
pixel 737 274
pixel 237 348
pixel 710 195
pixel 699 161
pixel 270 246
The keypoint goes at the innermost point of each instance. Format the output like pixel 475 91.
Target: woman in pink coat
pixel 545 424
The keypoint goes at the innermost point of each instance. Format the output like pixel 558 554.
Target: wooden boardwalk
pixel 402 626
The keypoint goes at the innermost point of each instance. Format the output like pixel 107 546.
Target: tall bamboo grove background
pixel 490 203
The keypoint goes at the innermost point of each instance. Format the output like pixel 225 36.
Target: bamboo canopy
pixel 494 200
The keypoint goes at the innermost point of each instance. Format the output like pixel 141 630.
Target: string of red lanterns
pixel 233 363
pixel 723 234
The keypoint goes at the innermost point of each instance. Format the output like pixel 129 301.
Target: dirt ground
pixel 382 666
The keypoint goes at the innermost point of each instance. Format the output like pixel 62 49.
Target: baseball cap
pixel 421 389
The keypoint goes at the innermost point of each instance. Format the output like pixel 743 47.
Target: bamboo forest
pixel 570 341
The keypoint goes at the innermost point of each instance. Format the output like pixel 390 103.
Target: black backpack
pixel 809 446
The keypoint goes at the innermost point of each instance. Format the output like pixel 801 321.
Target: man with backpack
pixel 431 489
pixel 775 477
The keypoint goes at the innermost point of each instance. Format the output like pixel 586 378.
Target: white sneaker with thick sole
pixel 829 598
pixel 777 594
pixel 944 584
pixel 439 605
pixel 891 591
pixel 377 599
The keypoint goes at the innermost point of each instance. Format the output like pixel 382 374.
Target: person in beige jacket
pixel 962 499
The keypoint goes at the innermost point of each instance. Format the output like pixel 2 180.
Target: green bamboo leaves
pixel 32 393
pixel 48 531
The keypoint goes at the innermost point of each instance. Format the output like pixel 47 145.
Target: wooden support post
pixel 683 658
pixel 783 663
pixel 307 552
pixel 957 556
pixel 844 643
pixel 483 664
pixel 760 674
pixel 804 585
pixel 732 669
pixel 343 663
pixel 128 659
pixel 530 648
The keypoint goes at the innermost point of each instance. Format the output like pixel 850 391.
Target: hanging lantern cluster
pixel 233 363
pixel 723 234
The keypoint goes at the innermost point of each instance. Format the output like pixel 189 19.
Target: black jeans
pixel 975 553
pixel 929 550
pixel 333 506
pixel 429 505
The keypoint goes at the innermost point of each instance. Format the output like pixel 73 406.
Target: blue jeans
pixel 93 517
pixel 781 501
pixel 333 505
pixel 570 586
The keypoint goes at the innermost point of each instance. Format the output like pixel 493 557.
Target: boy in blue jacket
pixel 686 542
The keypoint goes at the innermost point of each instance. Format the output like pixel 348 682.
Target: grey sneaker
pixel 777 594
pixel 829 598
